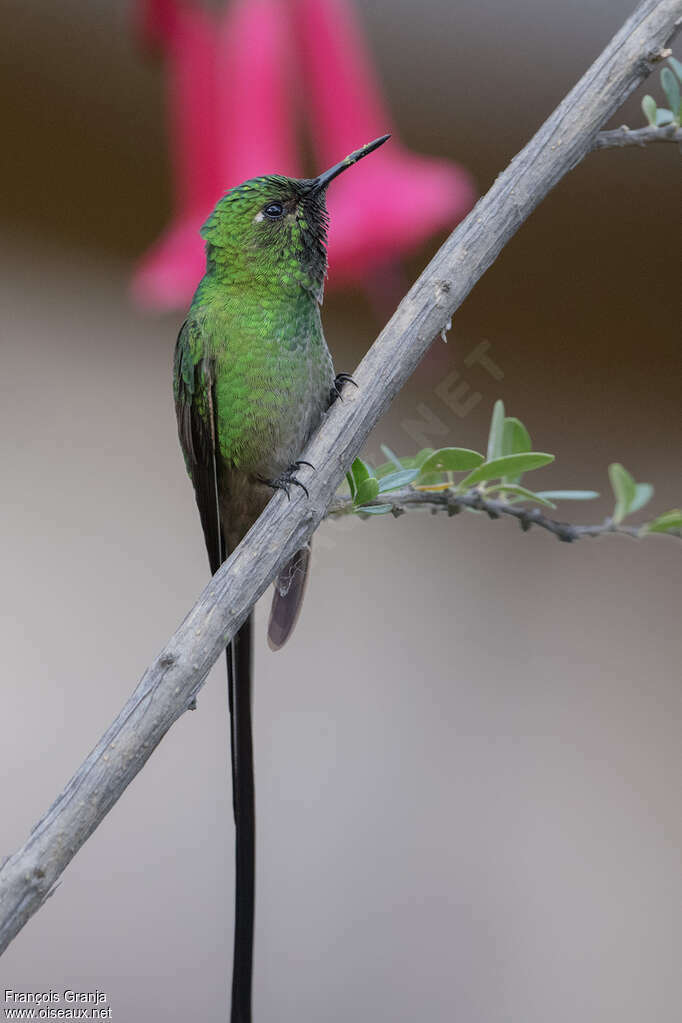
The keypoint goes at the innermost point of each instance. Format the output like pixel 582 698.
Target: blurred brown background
pixel 468 757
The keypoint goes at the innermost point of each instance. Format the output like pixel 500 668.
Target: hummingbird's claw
pixel 287 479
pixel 339 380
pixel 298 483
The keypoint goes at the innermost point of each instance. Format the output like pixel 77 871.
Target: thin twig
pixel 452 503
pixel 176 675
pixel 625 136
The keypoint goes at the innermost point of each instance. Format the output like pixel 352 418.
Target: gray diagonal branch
pixel 620 137
pixel 169 684
pixel 451 502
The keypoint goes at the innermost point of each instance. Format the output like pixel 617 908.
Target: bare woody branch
pixel 179 671
pixel 625 136
pixel 452 503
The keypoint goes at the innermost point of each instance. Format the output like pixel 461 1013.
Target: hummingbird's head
pixel 274 229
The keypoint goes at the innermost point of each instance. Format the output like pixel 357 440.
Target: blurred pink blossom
pixel 394 201
pixel 169 271
pixel 229 104
pixel 154 22
pixel 232 99
pixel 256 78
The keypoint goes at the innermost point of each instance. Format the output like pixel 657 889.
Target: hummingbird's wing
pixel 194 390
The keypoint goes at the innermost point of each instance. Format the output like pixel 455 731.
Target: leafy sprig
pixel 494 477
pixel 671 80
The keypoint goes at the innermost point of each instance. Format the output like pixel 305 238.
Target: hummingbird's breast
pixel 273 375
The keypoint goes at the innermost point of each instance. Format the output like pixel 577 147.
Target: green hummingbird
pixel 253 378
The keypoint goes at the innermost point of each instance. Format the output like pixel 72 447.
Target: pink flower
pixel 394 201
pixel 168 273
pixel 255 85
pixel 232 104
pixel 230 119
pixel 155 22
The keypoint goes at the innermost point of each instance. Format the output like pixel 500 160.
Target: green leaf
pixel 391 456
pixel 624 490
pixel 649 108
pixel 568 495
pixel 643 494
pixel 367 490
pixel 515 437
pixel 419 458
pixel 394 480
pixel 359 471
pixel 376 509
pixel 515 441
pixel 452 460
pixel 496 431
pixel 362 481
pixel 668 520
pixel 433 479
pixel 414 461
pixel 509 465
pixel 663 117
pixel 385 469
pixel 529 495
pixel 671 87
pixel 676 65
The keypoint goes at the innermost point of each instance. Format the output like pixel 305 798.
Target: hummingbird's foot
pixel 287 479
pixel 339 380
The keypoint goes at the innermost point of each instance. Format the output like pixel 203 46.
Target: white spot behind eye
pixel 259 218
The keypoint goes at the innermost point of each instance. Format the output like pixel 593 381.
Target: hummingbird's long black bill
pixel 320 183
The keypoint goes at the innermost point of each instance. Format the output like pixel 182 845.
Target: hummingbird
pixel 253 378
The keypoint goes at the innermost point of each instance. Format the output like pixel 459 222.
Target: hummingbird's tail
pixel 287 599
pixel 286 604
pixel 239 677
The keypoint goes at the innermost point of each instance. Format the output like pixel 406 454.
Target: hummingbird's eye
pixel 274 210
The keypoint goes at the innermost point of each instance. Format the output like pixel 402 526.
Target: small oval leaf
pixel 509 465
pixel 360 470
pixel 496 431
pixel 671 87
pixel 663 117
pixel 649 109
pixel 523 493
pixel 394 480
pixel 367 490
pixel 624 490
pixel 643 494
pixel 375 509
pixel 420 458
pixel 452 460
pixel 391 456
pixel 568 495
pixel 668 520
pixel 385 469
pixel 515 439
